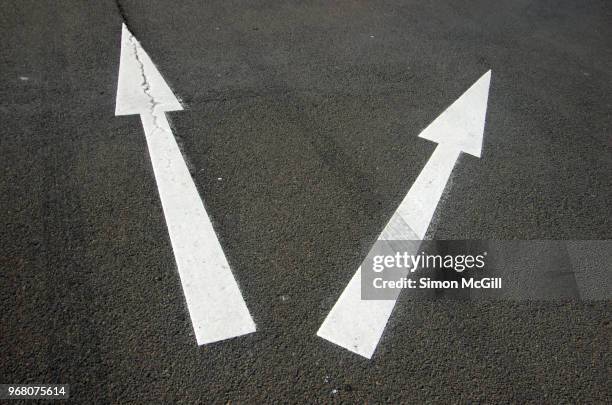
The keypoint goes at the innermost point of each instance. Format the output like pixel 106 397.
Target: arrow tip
pixel 462 124
pixel 140 87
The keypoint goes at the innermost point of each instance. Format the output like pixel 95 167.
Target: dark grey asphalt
pixel 309 113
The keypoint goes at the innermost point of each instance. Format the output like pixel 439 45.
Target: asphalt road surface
pixel 300 131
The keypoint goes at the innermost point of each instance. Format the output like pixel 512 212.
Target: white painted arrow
pixel 356 324
pixel 215 304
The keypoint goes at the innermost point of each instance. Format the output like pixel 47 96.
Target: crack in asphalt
pixel 145 84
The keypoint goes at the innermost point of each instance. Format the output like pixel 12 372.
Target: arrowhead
pixel 462 124
pixel 140 88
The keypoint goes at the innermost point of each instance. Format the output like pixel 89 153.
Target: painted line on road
pixel 214 300
pixel 358 325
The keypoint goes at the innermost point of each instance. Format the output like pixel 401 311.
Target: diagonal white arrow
pixel 215 304
pixel 356 324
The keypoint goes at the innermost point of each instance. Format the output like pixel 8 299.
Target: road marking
pixel 356 324
pixel 215 304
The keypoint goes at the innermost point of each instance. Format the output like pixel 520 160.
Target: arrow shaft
pixel 418 207
pixel 356 324
pixel 215 304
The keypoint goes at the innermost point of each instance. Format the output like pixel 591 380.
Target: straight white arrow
pixel 215 304
pixel 356 324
